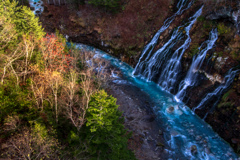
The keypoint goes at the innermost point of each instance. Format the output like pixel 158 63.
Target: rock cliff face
pixel 124 34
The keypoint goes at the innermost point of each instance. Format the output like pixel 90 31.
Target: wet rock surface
pixel 147 140
pixel 116 34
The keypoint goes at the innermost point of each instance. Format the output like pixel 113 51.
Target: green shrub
pixel 201 18
pixel 14 101
pixel 108 4
pixel 222 29
pixel 193 49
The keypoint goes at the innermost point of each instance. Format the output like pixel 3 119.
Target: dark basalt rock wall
pixel 226 13
pixel 124 34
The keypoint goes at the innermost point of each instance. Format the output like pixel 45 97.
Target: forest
pixel 52 102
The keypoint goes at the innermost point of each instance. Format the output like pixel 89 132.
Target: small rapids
pixel 188 136
pixel 37 6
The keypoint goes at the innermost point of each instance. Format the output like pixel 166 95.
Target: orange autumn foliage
pixel 54 55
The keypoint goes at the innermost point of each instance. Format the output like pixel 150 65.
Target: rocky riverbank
pixel 124 34
pixel 147 140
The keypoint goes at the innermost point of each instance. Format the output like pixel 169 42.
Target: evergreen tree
pixel 21 17
pixel 107 138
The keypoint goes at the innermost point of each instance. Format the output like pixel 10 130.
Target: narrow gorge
pixel 185 56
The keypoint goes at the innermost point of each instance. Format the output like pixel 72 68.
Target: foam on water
pixel 37 5
pixel 183 129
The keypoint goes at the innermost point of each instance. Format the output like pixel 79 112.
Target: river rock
pixel 207 150
pixel 148 118
pixel 174 133
pixel 198 138
pixel 160 144
pixel 193 149
pixel 169 100
pixel 160 132
pixel 229 154
pixel 130 117
pixel 191 132
pixel 222 12
pixel 180 112
pixel 170 109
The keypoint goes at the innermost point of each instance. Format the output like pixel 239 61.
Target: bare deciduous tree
pixel 28 48
pixel 8 63
pixel 55 80
pixel 39 87
pixel 91 78
pixel 31 144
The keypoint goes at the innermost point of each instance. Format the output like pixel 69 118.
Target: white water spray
pixel 147 51
pixel 191 77
pixel 170 73
pixel 220 90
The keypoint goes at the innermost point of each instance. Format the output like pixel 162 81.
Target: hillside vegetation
pixel 51 102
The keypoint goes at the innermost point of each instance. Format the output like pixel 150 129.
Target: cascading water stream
pixel 158 59
pixel 236 18
pixel 191 77
pixel 218 92
pixel 147 51
pixel 151 67
pixel 188 136
pixel 170 73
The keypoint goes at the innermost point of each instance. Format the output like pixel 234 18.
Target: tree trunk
pixel 56 107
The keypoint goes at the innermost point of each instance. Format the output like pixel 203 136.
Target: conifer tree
pixel 23 19
pixel 107 138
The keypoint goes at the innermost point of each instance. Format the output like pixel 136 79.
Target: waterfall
pixel 191 78
pixel 170 73
pixel 236 19
pixel 156 62
pixel 164 65
pixel 188 136
pixel 147 51
pixel 218 92
pixel 151 67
